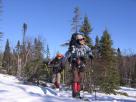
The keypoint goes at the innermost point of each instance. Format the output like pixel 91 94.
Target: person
pixel 77 55
pixel 57 69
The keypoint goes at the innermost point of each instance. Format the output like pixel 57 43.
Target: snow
pixel 129 91
pixel 12 90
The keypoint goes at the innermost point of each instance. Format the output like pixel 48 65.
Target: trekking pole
pixel 95 94
pixel 91 76
pixel 83 83
pixel 94 81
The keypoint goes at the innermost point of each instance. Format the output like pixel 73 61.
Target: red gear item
pixel 75 87
pixel 57 85
pixel 78 87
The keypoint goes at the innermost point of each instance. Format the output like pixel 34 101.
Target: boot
pixel 78 87
pixel 57 85
pixel 74 89
pixel 78 90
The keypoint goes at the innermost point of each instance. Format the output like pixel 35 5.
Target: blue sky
pixel 52 19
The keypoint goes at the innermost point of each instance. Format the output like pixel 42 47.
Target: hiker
pixel 77 55
pixel 57 69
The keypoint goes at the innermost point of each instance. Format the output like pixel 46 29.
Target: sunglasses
pixel 59 56
pixel 81 39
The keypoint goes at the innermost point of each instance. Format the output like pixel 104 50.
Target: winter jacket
pixel 57 65
pixel 78 51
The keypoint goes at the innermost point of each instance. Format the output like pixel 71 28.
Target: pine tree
pixel 7 57
pixel 24 33
pixel 34 68
pixel 38 49
pixel 119 52
pixel 1 10
pixel 96 49
pixel 134 77
pixel 47 52
pixel 38 68
pixel 14 62
pixel 1 33
pixel 75 25
pixel 76 20
pixel 96 75
pixel 110 76
pixel 18 55
pixel 23 52
pixel 120 66
pixel 86 29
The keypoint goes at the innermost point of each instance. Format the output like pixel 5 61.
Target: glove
pixel 91 57
pixel 62 66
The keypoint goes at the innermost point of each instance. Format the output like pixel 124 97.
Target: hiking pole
pixel 94 81
pixel 83 83
pixel 95 94
pixel 91 73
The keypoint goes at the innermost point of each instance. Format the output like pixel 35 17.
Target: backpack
pixel 72 47
pixel 57 65
pixel 73 41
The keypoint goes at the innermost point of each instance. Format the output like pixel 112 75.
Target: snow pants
pixel 77 84
pixel 56 79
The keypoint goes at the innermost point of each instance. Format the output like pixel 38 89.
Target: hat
pixel 59 55
pixel 79 36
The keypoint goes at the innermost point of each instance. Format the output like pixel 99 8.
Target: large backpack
pixel 57 65
pixel 73 41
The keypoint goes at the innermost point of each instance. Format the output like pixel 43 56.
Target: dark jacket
pixel 57 65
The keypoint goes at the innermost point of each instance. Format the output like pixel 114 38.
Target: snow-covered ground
pixel 11 90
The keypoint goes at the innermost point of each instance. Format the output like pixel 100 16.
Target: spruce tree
pixel 7 57
pixel 1 11
pixel 75 24
pixel 18 54
pixel 96 49
pixel 47 52
pixel 38 49
pixel 133 83
pixel 120 68
pixel 24 33
pixel 86 29
pixel 34 68
pixel 110 76
pixel 76 20
pixel 96 74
